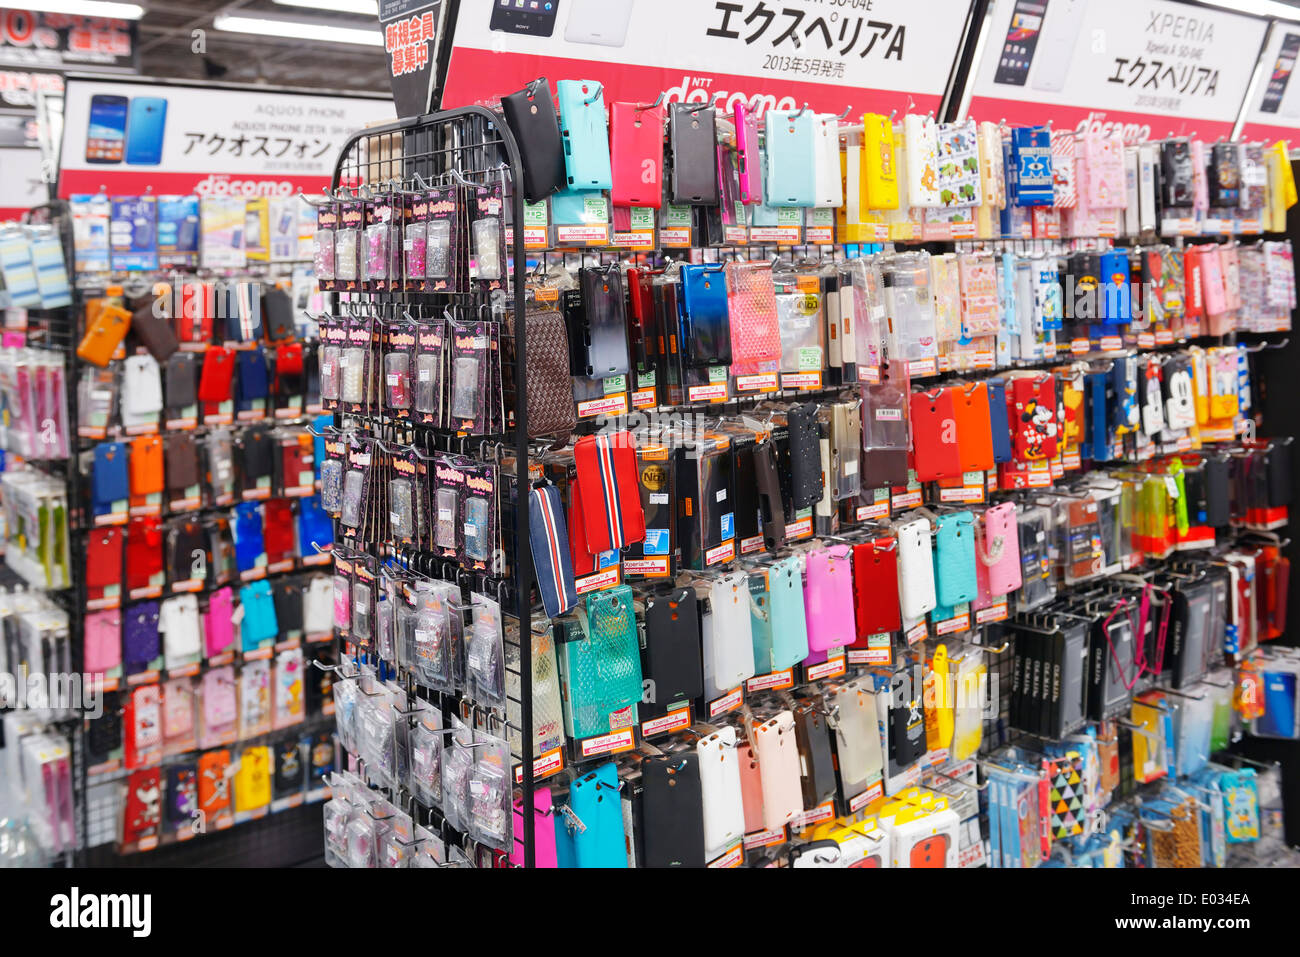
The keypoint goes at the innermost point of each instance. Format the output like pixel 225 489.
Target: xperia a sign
pixel 411 30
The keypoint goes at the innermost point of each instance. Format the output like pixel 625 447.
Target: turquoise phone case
pixel 954 559
pixel 791 159
pixel 786 612
pixel 595 800
pixel 760 623
pixel 585 129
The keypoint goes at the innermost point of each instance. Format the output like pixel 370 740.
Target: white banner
pixel 860 54
pixel 1150 67
pixel 125 138
pixel 1274 110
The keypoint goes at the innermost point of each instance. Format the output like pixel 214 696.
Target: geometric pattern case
pixel 1066 794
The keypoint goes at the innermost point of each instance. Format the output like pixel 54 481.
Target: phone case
pixel 595 801
pixel 585 134
pixel 531 116
pixel 751 788
pixel 749 154
pixel 723 803
pixel 214 785
pixel 916 583
pixel 671 658
pixel 637 137
pixel 875 578
pixel 973 418
pixel 828 598
pixel 879 162
pixel 778 760
pixel 104 334
pixel 829 179
pixel 791 175
pixel 846 450
pixel 706 338
pixel 954 547
pixel 858 752
pixel 727 637
pixel 999 550
pixel 605 308
pixel 692 138
pixel 816 760
pixel 805 456
pixel 935 436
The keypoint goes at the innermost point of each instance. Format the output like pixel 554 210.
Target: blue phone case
pixel 111 483
pixel 1279 705
pixel 1117 295
pixel 1098 432
pixel 786 612
pixel 1032 151
pixel 791 159
pixel 585 129
pixel 249 545
pixel 595 800
pixel 706 335
pixel 252 375
pixel 954 559
pixel 259 623
pixel 314 525
pixel 997 391
pixel 144 130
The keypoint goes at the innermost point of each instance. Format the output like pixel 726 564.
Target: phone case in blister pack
pixel 485 654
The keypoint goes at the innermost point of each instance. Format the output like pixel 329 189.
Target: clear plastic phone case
pixel 445 529
pixel 362 608
pixel 415 249
pixel 477 546
pixel 375 264
pixel 401 508
pixel 342 603
pixel 427 383
pixel 352 375
pixel 397 380
pixel 466 399
pixel 487 248
pixel 352 488
pixel 331 486
pixel 484 655
pixel 329 371
pixel 322 254
pixel 438 250
pixel 346 244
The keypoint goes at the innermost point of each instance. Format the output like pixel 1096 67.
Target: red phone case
pixel 875 588
pixel 194 321
pixel 142 812
pixel 934 435
pixel 144 556
pixel 218 369
pixel 277 531
pixel 1034 417
pixel 104 558
pixel 932 852
pixel 637 138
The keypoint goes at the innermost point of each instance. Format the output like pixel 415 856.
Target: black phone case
pixel 531 116
pixel 277 314
pixel 745 492
pixel 693 142
pixel 1279 473
pixel 288 605
pixel 805 456
pixel 672 649
pixel 1176 173
pixel 768 485
pixel 181 376
pixel 716 497
pixel 605 306
pixel 814 742
pixel 673 811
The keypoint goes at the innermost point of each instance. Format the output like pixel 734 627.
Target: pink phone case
pixel 999 549
pixel 103 641
pixel 543 832
pixel 778 759
pixel 637 138
pixel 218 629
pixel 751 789
pixel 828 599
pixel 751 165
pixel 1231 277
pixel 1212 282
pixel 178 708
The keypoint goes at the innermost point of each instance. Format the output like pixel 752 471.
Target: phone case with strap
pixel 875 579
pixel 637 147
pixel 724 811
pixel 595 801
pixel 585 134
pixel 828 597
pixel 532 118
pixel 998 549
pixel 954 559
pixel 778 761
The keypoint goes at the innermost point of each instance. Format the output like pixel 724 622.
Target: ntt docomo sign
pixel 127 138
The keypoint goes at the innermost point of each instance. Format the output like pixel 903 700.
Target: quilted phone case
pixel 752 318
pixel 637 136
pixel 936 452
pixel 595 801
pixel 706 338
pixel 724 811
pixel 828 597
pixel 585 134
pixel 778 760
pixel 787 613
pixel 916 587
pixel 954 559
pixel 875 578
pixel 791 143
pixel 673 827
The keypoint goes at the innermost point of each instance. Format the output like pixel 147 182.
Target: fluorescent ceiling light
pixel 86 8
pixel 368 8
pixel 1260 8
pixel 300 30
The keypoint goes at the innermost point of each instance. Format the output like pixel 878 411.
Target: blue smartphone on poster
pixel 106 129
pixel 144 130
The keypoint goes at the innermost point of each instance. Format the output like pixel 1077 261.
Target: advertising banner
pixel 1148 67
pixel 128 138
pixel 32 40
pixel 21 186
pixel 1274 110
pixel 876 55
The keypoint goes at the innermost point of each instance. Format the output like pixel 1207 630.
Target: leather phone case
pixel 674 832
pixel 154 330
pixel 778 760
pixel 637 141
pixel 672 651
pixel 692 137
pixel 828 598
pixel 916 589
pixel 805 456
pixel 875 578
pixel 536 127
pixel 954 559
pixel 936 453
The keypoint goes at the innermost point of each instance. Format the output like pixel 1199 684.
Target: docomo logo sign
pixel 1133 133
pixel 689 91
pixel 221 185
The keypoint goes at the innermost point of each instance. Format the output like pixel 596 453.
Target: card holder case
pixel 637 138
pixel 585 134
pixel 692 137
pixel 531 116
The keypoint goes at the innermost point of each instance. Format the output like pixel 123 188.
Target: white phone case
pixel 728 636
pixel 778 766
pixel 724 809
pixel 829 181
pixel 602 22
pixel 915 569
pixel 318 606
pixel 1132 177
pixel 857 736
pixel 1148 157
pixel 1056 44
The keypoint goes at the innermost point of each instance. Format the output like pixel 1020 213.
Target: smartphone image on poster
pixel 1022 40
pixel 106 130
pixel 144 130
pixel 1281 76
pixel 602 22
pixel 1057 38
pixel 534 18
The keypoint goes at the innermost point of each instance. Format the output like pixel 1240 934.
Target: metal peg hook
pixel 802 111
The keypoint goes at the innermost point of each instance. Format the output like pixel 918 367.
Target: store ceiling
pixel 166 40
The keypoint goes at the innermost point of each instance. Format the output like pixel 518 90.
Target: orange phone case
pixel 147 465
pixel 970 410
pixel 214 787
pixel 104 334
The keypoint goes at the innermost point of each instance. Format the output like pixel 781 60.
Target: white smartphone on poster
pixel 1056 44
pixel 602 22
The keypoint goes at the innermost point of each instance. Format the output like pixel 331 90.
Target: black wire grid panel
pixel 470 146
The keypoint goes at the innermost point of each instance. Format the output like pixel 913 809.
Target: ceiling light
pixel 87 8
pixel 1261 8
pixel 368 8
pixel 300 30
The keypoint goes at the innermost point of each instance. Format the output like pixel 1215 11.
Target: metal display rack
pixel 474 147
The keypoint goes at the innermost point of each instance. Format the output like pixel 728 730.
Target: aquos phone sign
pixel 128 138
pixel 1148 68
pixel 860 55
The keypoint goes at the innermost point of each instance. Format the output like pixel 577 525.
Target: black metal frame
pixel 476 143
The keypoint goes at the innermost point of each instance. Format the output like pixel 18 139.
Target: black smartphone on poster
pixel 1022 39
pixel 534 18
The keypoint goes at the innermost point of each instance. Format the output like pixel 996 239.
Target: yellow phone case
pixel 879 162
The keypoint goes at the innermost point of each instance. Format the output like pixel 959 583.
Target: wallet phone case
pixel 611 500
pixel 954 559
pixel 791 175
pixel 828 598
pixel 531 116
pixel 778 761
pixel 916 591
pixel 693 139
pixel 875 577
pixel 723 803
pixel 585 134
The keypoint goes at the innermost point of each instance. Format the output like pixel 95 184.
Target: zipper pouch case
pixel 611 500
